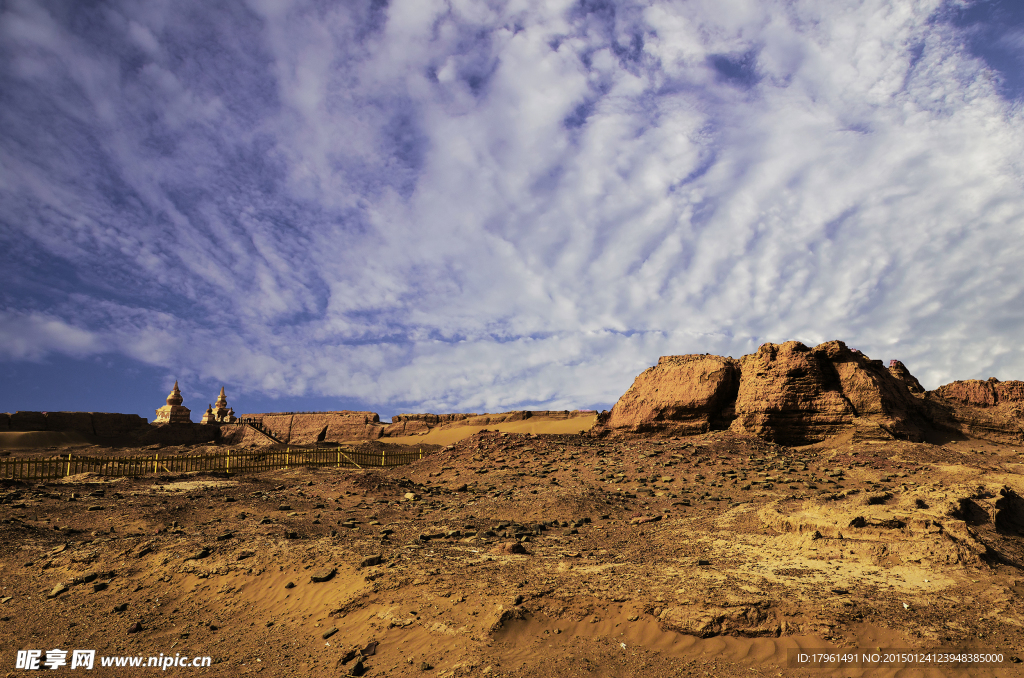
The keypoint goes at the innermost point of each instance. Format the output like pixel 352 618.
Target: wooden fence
pixel 53 468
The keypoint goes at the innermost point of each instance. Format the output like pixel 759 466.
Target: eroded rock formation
pixel 683 394
pixel 794 394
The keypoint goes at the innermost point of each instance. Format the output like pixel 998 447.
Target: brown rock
pixel 704 621
pixel 874 392
pixel 786 393
pixel 509 547
pixel 323 575
pixel 684 394
pixel 900 372
pixel 791 394
pixel 969 392
pixel 5 422
pixel 982 393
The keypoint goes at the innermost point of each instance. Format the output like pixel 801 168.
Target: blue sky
pixel 480 206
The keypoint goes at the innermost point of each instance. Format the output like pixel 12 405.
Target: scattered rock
pixel 329 632
pixel 323 575
pixel 57 590
pixel 135 628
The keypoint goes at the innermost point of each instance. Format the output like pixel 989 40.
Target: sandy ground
pixel 511 554
pixel 537 425
pixel 38 439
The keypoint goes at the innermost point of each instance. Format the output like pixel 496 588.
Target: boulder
pixel 682 394
pixel 5 422
pixel 80 422
pixel 28 421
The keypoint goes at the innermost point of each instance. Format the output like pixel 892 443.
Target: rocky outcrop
pixel 989 409
pixel 874 393
pixel 979 393
pixel 791 394
pixel 685 395
pixel 5 422
pixel 900 372
pixel 786 393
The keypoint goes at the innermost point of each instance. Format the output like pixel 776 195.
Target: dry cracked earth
pixel 525 555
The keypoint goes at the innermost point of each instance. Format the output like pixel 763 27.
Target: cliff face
pixel 791 394
pixel 787 393
pixel 987 409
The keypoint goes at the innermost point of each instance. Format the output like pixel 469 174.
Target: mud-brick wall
pixel 304 428
pixel 80 422
pixel 103 424
pixel 340 426
pixel 28 421
pixel 114 424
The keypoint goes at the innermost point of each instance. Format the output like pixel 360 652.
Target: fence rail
pixel 53 468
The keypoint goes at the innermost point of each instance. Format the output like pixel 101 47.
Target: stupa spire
pixel 173 412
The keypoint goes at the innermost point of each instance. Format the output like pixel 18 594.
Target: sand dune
pixel 13 439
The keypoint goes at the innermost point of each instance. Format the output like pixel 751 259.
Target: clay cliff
pixel 794 394
pixel 988 409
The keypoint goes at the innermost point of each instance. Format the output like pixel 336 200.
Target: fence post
pixel 421 453
pixel 156 460
pixel 69 465
pixel 287 453
pixel 227 464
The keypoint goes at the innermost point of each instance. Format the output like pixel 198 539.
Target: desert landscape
pixel 724 516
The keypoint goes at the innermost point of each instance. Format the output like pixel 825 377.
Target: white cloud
pixel 470 206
